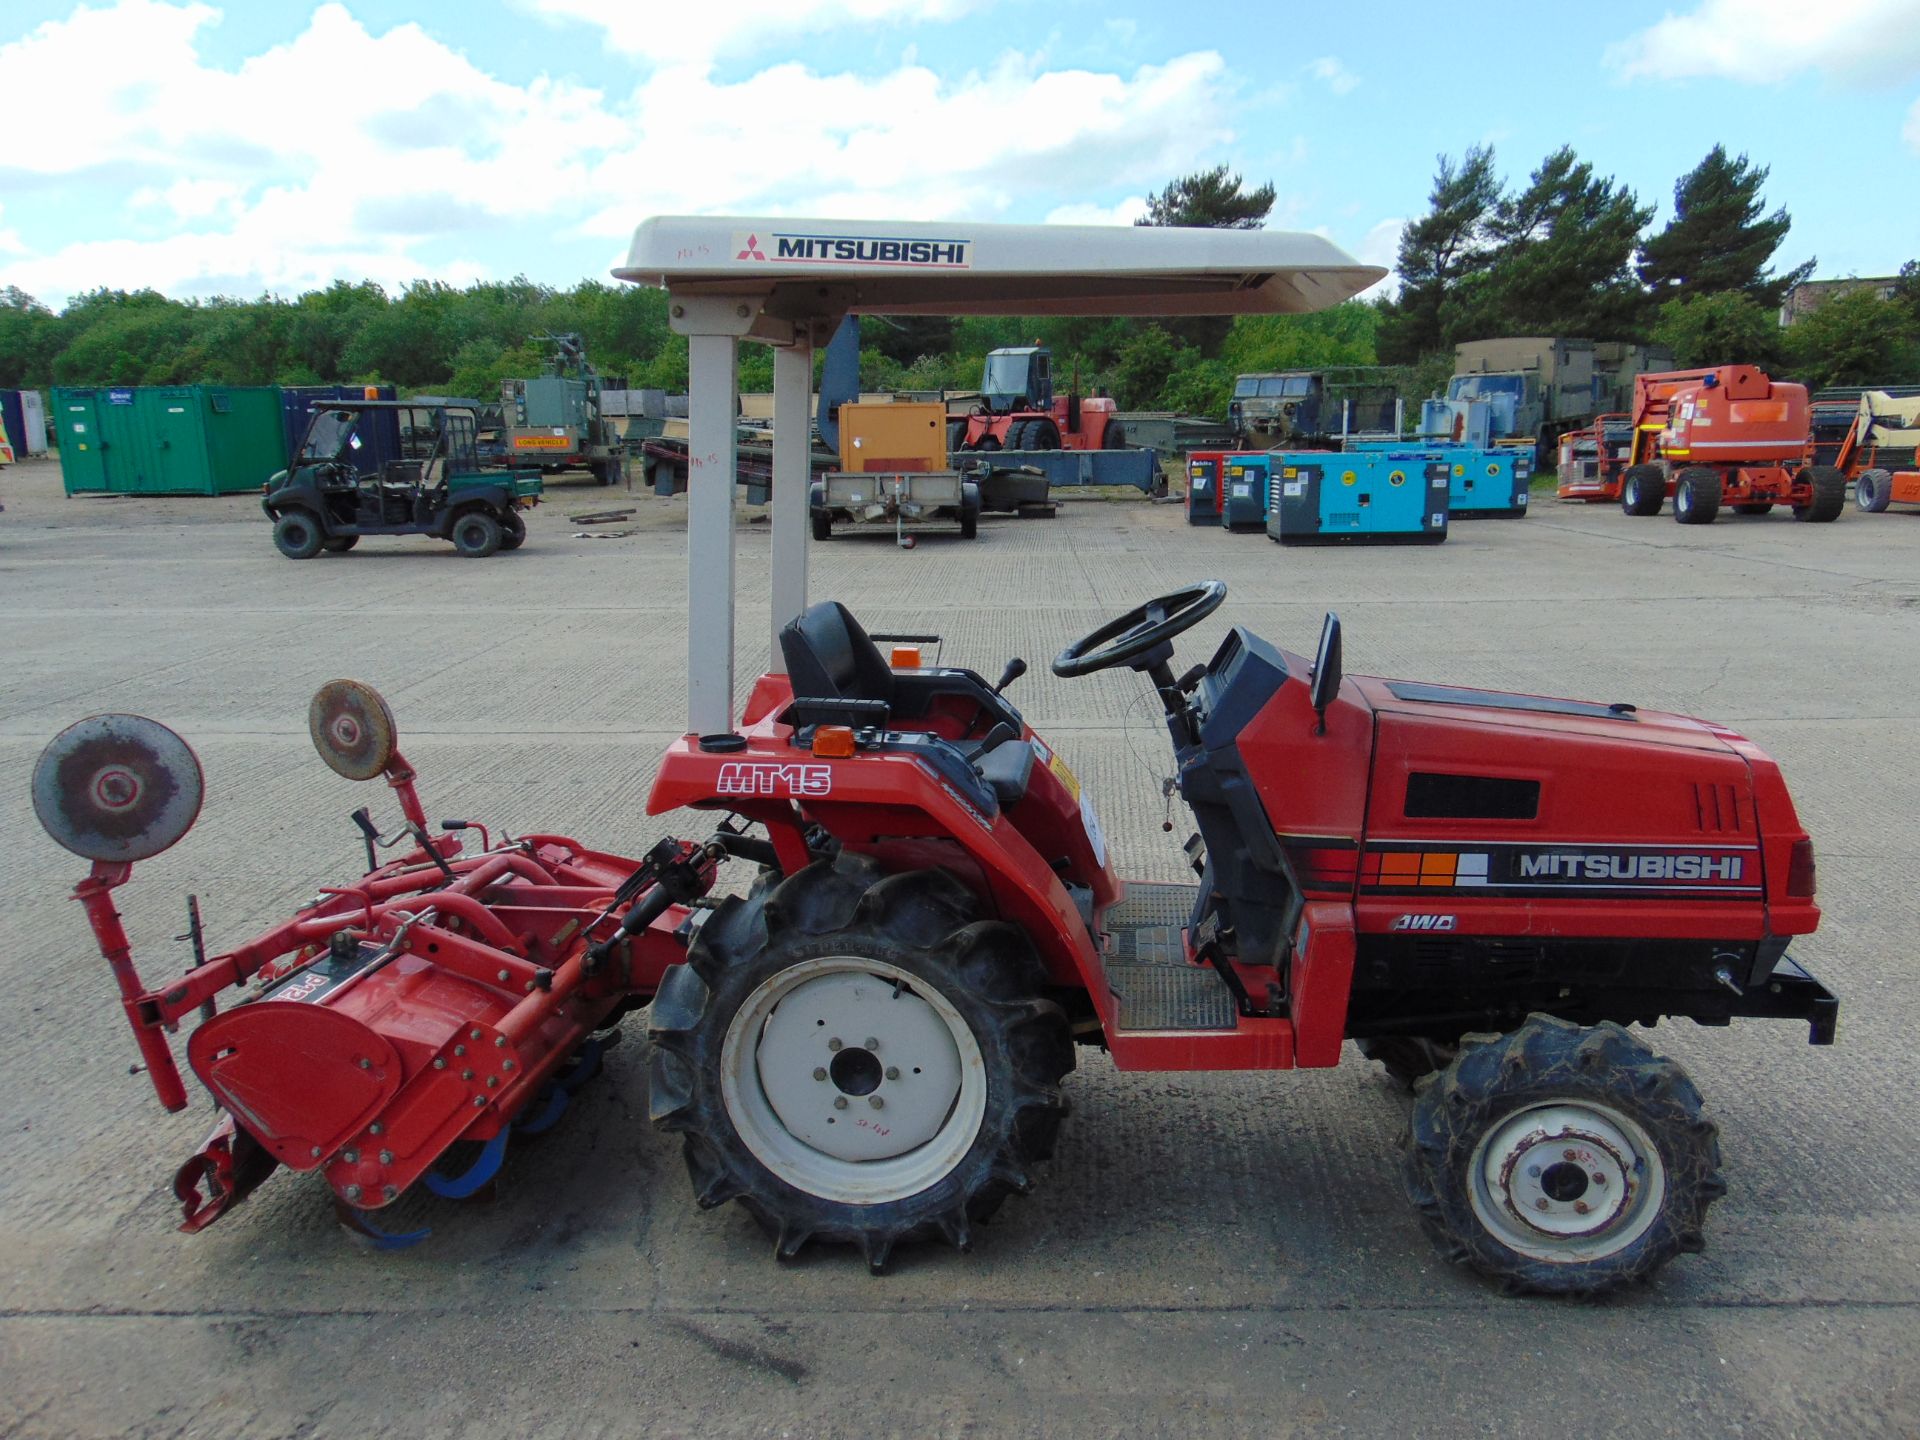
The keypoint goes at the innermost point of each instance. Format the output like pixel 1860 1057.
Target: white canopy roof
pixel 901 268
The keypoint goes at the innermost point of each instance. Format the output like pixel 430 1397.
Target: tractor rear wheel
pixel 1408 1057
pixel 297 534
pixel 1829 495
pixel 859 1058
pixel 476 534
pixel 1873 491
pixel 1643 490
pixel 1042 435
pixel 1696 495
pixel 1562 1159
pixel 1018 435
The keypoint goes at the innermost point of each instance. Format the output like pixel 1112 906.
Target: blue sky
pixel 213 146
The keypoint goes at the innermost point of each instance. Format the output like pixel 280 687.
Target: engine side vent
pixel 1432 796
pixel 1718 808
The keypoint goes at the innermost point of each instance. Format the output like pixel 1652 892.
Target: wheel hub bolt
pixel 871 1043
pixel 1580 1207
pixel 389 1193
pixel 819 1072
pixel 839 1102
pixel 876 1102
pixel 353 1192
pixel 893 1072
pixel 1598 1178
pixel 834 1043
pixel 386 1157
pixel 1569 1154
pixel 1541 1203
pixel 352 1157
pixel 1533 1172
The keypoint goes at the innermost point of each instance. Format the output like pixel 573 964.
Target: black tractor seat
pixel 831 658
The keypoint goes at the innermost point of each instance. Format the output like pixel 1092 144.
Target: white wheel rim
pixel 804 1104
pixel 1567 1181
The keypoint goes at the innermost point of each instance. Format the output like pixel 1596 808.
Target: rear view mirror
pixel 1326 671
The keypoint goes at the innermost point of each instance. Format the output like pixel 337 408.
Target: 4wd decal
pixel 1424 922
pixel 1589 871
pixel 749 777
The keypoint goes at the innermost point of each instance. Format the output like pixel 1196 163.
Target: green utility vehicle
pixel 438 487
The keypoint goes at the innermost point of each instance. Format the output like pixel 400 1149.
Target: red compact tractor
pixel 867 1043
pixel 1725 436
pixel 868 1046
pixel 1017 409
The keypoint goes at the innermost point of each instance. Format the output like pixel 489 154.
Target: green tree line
pixel 1569 252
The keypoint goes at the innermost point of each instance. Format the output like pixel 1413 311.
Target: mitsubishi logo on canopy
pixel 751 250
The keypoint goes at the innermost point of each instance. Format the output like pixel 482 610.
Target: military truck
pixel 556 421
pixel 1314 409
pixel 1541 387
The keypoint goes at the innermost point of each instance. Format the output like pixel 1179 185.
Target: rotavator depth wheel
pixel 1561 1159
pixel 859 1058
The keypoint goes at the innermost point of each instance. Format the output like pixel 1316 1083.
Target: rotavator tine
pixel 550 1104
pixel 485 1166
pixel 358 1221
pixel 586 1065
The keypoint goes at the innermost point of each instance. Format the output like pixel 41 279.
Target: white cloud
pixel 270 175
pixel 698 33
pixel 789 141
pixel 1381 246
pixel 1766 41
pixel 1125 213
pixel 1329 70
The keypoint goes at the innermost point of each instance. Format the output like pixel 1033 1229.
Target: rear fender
pixel 875 800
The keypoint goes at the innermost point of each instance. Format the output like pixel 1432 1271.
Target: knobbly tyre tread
pixel 923 921
pixel 1696 495
pixel 1829 495
pixel 1548 1058
pixel 1643 490
pixel 1408 1057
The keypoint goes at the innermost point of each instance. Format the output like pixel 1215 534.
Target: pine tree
pixel 1719 239
pixel 1437 252
pixel 1564 262
pixel 1211 199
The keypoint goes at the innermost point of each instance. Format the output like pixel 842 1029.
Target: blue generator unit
pixel 1244 485
pixel 1482 480
pixel 1359 497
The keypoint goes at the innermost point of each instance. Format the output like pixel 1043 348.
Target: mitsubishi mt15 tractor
pixel 870 1043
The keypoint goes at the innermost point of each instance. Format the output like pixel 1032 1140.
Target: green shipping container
pixel 168 439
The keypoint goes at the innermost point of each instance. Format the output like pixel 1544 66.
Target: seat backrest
pixel 829 656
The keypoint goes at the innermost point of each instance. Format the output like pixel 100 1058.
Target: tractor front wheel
pixel 476 534
pixel 1562 1159
pixel 1873 491
pixel 297 535
pixel 859 1058
pixel 1643 490
pixel 1829 495
pixel 1696 495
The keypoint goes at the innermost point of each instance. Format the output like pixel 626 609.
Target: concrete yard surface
pixel 1206 1254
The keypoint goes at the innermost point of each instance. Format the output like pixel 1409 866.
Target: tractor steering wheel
pixel 1142 629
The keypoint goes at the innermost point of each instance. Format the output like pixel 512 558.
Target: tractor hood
pixel 1617 722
